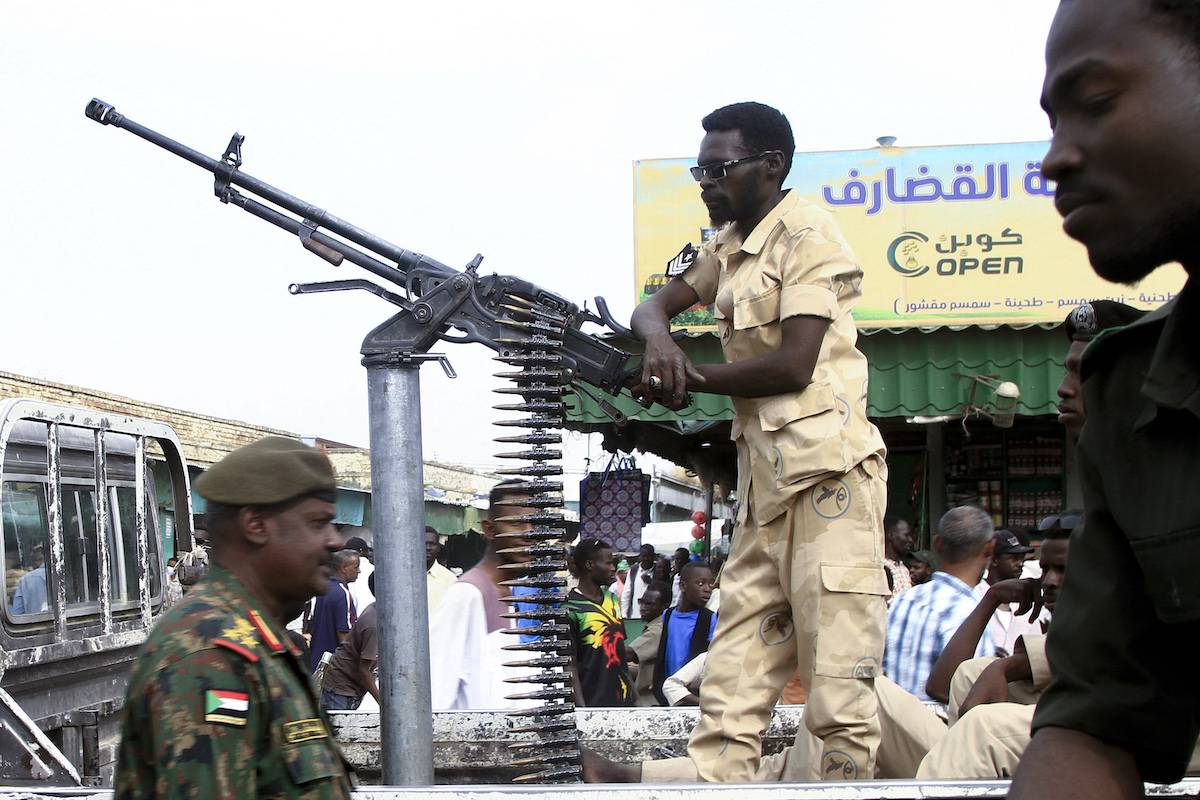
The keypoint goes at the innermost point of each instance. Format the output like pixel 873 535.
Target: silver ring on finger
pixel 655 383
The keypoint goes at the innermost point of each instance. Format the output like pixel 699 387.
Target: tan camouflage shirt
pixel 795 262
pixel 220 706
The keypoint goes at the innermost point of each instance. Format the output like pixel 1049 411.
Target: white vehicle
pixel 92 504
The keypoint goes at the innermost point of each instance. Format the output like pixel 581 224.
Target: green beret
pixel 266 472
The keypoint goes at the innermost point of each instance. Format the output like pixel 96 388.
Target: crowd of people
pixel 968 659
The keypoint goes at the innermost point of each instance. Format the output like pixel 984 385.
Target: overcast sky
pixel 450 128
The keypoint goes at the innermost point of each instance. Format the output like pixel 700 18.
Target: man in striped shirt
pixel 922 620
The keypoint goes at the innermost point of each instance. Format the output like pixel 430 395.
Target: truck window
pixel 81 550
pixel 24 518
pixel 123 546
pixel 25 502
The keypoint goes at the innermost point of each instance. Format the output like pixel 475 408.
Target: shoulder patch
pixel 226 707
pixel 304 730
pixel 680 262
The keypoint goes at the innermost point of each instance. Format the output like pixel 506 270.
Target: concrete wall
pixel 206 440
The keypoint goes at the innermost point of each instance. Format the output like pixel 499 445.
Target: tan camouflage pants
pixel 908 731
pixel 804 592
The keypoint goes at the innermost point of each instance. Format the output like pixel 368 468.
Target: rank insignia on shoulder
pixel 303 730
pixel 682 260
pixel 226 707
pixel 241 638
pixel 264 630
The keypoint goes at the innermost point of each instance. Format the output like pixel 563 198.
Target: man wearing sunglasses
pixel 804 588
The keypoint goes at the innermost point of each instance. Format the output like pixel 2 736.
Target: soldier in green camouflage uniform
pixel 219 704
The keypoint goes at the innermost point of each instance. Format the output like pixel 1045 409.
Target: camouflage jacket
pixel 219 706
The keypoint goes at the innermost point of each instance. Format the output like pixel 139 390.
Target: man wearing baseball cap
pixel 219 701
pixel 1008 559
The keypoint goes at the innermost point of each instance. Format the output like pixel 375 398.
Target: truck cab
pixel 92 504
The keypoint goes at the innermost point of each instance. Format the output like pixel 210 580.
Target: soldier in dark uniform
pixel 1082 326
pixel 1122 78
pixel 219 703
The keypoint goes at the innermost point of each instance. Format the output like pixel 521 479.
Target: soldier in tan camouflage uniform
pixel 804 588
pixel 219 704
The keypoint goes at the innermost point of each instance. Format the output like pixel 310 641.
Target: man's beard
pixel 721 215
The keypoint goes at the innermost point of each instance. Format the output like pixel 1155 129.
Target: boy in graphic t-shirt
pixel 687 628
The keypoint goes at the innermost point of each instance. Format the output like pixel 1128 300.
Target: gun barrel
pixel 106 114
pixel 584 357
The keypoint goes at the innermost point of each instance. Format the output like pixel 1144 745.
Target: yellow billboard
pixel 955 235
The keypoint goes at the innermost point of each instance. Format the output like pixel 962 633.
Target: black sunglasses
pixel 717 171
pixel 1066 522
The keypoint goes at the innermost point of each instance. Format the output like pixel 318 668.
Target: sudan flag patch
pixel 227 708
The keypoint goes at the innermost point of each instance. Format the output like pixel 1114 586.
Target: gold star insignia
pixel 241 632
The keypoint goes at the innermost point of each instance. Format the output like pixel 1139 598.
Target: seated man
pixel 1008 562
pixel 921 566
pixel 683 687
pixel 999 693
pixel 922 620
pixel 1024 595
pixel 994 698
pixel 30 596
pixel 642 652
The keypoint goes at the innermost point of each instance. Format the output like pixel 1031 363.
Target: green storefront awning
pixel 916 373
pixel 704 412
pixel 912 373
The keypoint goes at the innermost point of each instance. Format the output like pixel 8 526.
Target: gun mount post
pixel 393 354
pixel 530 328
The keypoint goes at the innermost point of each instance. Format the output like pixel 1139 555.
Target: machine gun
pixel 502 312
pixel 531 329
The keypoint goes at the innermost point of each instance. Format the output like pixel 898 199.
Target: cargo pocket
pixel 852 619
pixel 808 437
pixel 1168 562
pixel 313 761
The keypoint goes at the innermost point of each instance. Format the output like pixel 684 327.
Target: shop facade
pixel 940 454
pixel 967 279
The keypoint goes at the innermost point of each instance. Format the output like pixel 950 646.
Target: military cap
pixel 1089 319
pixel 267 472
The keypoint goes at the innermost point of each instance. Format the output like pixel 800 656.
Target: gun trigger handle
pixel 323 251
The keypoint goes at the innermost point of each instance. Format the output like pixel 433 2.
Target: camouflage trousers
pixel 802 593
